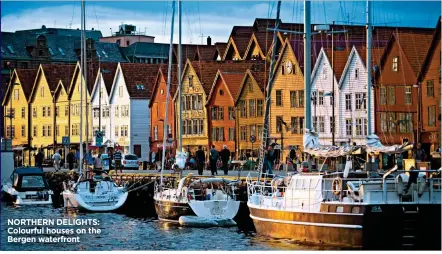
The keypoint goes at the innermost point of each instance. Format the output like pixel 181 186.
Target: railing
pixel 307 193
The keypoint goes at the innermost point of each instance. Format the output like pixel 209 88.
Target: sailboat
pixel 212 200
pixel 345 209
pixel 99 194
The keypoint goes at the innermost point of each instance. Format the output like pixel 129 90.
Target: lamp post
pixel 418 86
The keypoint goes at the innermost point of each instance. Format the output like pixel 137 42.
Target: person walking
pixel 214 155
pixel 71 159
pixel 56 157
pixel 111 158
pixel 270 157
pixel 200 160
pixel 117 158
pixel 419 153
pixel 97 162
pixel 225 157
pixel 39 159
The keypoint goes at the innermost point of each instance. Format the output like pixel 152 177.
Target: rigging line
pixel 98 25
pixel 72 19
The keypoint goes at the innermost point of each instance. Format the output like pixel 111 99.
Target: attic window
pixel 162 91
pixel 140 87
pixel 104 53
pixel 98 53
pixel 190 81
pixel 11 49
pixel 395 63
pixel 221 92
pixel 50 51
pixel 61 51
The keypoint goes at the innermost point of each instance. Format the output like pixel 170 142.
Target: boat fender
pixel 337 186
pixel 401 181
pixel 421 181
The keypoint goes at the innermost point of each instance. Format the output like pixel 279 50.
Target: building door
pixel 137 150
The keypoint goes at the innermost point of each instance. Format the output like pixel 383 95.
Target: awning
pixel 334 151
pixel 18 148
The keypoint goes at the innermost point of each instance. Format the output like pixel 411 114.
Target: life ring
pixel 337 186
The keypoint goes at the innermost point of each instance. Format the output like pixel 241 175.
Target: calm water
pixel 121 232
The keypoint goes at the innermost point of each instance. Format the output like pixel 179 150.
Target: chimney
pixel 209 41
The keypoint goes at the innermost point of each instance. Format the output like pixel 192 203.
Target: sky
pixel 207 18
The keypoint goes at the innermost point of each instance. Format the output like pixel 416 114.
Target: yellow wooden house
pixel 249 109
pixel 287 102
pixel 62 105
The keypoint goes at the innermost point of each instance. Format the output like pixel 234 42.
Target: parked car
pixel 130 161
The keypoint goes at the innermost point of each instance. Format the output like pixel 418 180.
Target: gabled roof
pixel 146 49
pixel 261 39
pixel 434 43
pixel 232 80
pixel 136 74
pixel 188 51
pixel 54 73
pixel 163 73
pixel 261 79
pixel 239 39
pixel 414 44
pixel 340 60
pixel 221 48
pixel 206 53
pixel 26 78
pixel 107 71
pixel 206 70
pixel 261 24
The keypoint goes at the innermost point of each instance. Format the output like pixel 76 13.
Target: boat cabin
pixel 29 179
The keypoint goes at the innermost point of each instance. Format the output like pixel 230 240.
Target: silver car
pixel 130 161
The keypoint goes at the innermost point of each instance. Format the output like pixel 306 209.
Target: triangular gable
pixel 247 75
pixel 219 75
pixel 60 87
pixel 97 83
pixel 156 84
pixel 252 44
pixel 188 63
pixel 77 72
pixel 321 57
pixel 285 47
pixel 119 70
pixel 434 43
pixel 230 46
pixel 40 73
pixel 7 92
pixel 353 53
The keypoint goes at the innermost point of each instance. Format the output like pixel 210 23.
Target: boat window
pixel 131 157
pixel 340 209
pixel 32 182
pixel 355 209
pixel 15 179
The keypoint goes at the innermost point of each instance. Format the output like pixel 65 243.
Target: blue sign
pixel 65 140
pixel 99 138
pixel 252 139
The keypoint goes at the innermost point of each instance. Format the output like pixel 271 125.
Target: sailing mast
pixel 180 90
pixel 368 64
pixel 85 79
pixel 169 74
pixel 307 66
pixel 81 85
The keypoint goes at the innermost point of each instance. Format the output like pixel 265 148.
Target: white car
pixel 130 161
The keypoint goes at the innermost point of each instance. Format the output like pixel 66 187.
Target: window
pixel 314 98
pixel 301 125
pixel 279 124
pixel 231 134
pixel 348 127
pixel 49 111
pixel 221 92
pixel 430 88
pixel 185 127
pixel 217 113
pixel 321 124
pixel 259 132
pixel 294 125
pixel 324 71
pixel 42 92
pixel 188 102
pixel 124 131
pixel 348 102
pixel 44 131
pixel 218 134
pixel 96 112
pixel 383 95
pixel 293 99
pixel 49 130
pixel 120 91
pixel 66 110
pixel 103 129
pixel 315 124
pixel 34 112
pixel 155 132
pixel 432 116
pixel 200 126
pixel 34 131
pixel 391 120
pixel 253 130
pixel 252 108
pixel 394 66
pixel 43 111
pixel 116 130
pixel 360 101
pixel 408 98
pixel 231 113
pixel 391 95
pixel 169 129
pixel 321 98
pixel 301 98
pixel 221 113
pixel 16 93
pixel 357 73
pixel 117 111
pixel 405 122
pixel 259 107
pixel 242 108
pixel 279 98
pixel 190 78
pixel 243 133
pixel 23 131
pixel 23 112
pixel 8 131
pixel 66 130
pixel 195 126
pixel 359 127
pixel 125 110
pixel 75 129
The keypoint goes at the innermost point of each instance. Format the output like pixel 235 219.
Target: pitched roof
pixel 206 70
pixel 205 53
pixel 56 72
pixel 415 46
pixel 108 72
pixel 163 71
pixel 27 79
pixel 146 49
pixel 232 80
pixel 221 48
pixel 188 51
pixel 260 77
pixel 139 74
pixel 340 60
pixel 435 42
pixel 261 24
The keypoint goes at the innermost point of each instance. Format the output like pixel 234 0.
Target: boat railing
pixel 308 193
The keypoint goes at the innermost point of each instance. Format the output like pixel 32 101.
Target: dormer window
pixel 104 53
pixel 140 87
pixel 41 43
pixel 190 77
pixel 395 63
pixel 61 51
pixel 11 49
pixel 51 52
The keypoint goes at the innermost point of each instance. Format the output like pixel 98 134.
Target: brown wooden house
pixel 396 86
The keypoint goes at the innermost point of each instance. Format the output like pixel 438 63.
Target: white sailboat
pixel 99 194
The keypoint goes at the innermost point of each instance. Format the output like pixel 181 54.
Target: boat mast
pixel 180 122
pixel 169 74
pixel 368 66
pixel 307 65
pixel 81 87
pixel 269 91
pixel 85 79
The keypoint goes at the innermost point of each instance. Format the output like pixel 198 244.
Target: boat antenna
pixel 265 132
pixel 169 74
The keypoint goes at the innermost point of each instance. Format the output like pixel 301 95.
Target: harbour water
pixel 128 232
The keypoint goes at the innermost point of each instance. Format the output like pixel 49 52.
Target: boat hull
pixel 171 210
pixel 379 227
pixel 74 200
pixel 223 209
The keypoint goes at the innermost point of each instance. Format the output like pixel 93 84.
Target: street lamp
pixel 418 86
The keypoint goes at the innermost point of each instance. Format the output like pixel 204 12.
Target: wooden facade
pixel 396 92
pixel 287 102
